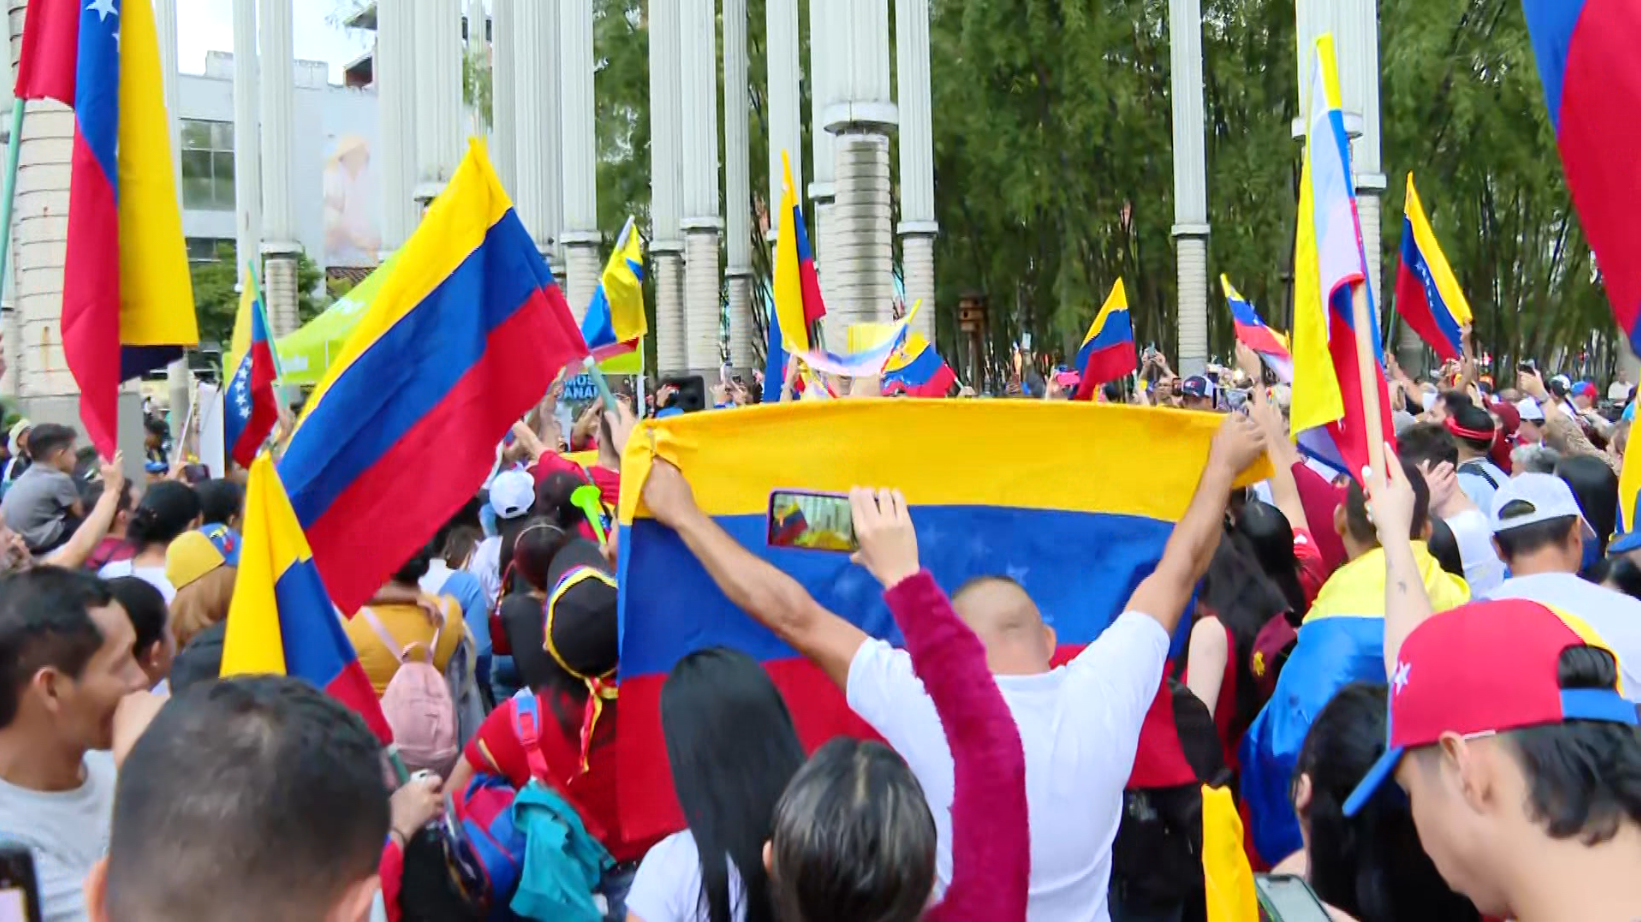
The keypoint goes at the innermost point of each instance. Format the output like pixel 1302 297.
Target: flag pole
pixel 1367 365
pixel 13 148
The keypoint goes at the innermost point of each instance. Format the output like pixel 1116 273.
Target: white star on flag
pixel 103 9
pixel 1399 680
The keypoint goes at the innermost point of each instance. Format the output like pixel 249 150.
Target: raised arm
pixel 1163 594
pixel 1391 501
pixel 1284 489
pixel 77 550
pixel 776 600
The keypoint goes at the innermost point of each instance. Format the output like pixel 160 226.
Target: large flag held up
pixel 1587 60
pixel 1078 544
pixel 615 321
pixel 1329 412
pixel 281 621
pixel 1107 352
pixel 1252 332
pixel 250 406
pixel 462 339
pixel 1428 296
pixel 128 302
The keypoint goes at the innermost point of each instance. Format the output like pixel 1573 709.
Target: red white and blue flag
pixel 250 407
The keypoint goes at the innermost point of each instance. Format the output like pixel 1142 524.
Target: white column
pixel 536 101
pixel 737 186
pixel 861 286
pixel 666 190
pixel 823 91
pixel 785 102
pixel 917 217
pixel 438 78
pixel 247 142
pixel 1190 183
pixel 579 143
pixel 1359 66
pixel 395 79
pixel 9 341
pixel 277 85
pixel 179 383
pixel 503 60
pixel 698 71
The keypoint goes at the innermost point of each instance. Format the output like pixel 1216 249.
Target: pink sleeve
pixel 991 840
pixel 1320 498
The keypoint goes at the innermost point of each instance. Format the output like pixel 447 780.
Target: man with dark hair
pixel 1430 446
pixel 1540 533
pixel 1473 431
pixel 249 799
pixel 65 663
pixel 44 504
pixel 1430 443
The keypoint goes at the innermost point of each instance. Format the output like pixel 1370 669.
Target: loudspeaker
pixel 692 392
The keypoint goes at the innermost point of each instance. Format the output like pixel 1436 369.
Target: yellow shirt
pixel 409 624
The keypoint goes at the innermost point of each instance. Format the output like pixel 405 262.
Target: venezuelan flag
pixel 1587 60
pixel 250 406
pixel 281 621
pixel 128 302
pixel 615 320
pixel 1252 332
pixel 797 288
pixel 461 340
pixel 918 370
pixel 1329 263
pixel 1107 352
pixel 1428 296
pixel 1078 544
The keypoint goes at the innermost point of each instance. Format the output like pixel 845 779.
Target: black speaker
pixel 691 396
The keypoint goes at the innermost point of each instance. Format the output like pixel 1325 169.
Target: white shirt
pixel 485 564
pixel 667 887
pixel 1483 569
pixel 153 576
pixel 1613 615
pixel 1079 725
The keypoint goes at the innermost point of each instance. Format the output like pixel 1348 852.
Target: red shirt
pixel 607 481
pixel 1313 570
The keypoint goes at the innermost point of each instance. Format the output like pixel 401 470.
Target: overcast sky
pixel 208 25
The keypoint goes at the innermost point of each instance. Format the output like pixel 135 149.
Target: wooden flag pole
pixel 13 148
pixel 1367 374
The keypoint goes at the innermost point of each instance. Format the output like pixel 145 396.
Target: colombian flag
pixel 1078 544
pixel 250 407
pixel 1252 332
pixel 1428 296
pixel 1587 59
pixel 1107 352
pixel 281 621
pixel 797 292
pixel 615 319
pixel 461 340
pixel 918 370
pixel 128 302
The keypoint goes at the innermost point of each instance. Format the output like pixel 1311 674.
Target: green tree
pixel 216 295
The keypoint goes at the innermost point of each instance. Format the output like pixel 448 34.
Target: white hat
pixel 17 430
pixel 1530 411
pixel 1539 498
pixel 512 493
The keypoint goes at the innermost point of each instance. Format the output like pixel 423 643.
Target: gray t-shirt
pixel 67 831
pixel 37 504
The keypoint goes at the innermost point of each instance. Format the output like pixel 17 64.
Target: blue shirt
pixel 464 588
pixel 1476 487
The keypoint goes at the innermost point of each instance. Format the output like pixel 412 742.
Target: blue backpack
pixel 486 812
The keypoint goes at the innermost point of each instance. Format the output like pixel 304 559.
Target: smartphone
pixel 1287 898
pixel 19 889
pixel 811 521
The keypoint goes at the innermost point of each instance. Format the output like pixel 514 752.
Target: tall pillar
pixel 579 143
pixel 1359 78
pixel 503 60
pixel 395 80
pixel 823 92
pixel 666 190
pixel 247 144
pixel 861 265
pixel 698 81
pixel 917 217
pixel 1190 183
pixel 277 85
pixel 785 102
pixel 536 101
pixel 438 77
pixel 179 383
pixel 737 186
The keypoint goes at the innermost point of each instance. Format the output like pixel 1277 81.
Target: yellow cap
pixel 190 557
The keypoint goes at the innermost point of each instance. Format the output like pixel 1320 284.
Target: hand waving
pixel 1238 444
pixel 888 545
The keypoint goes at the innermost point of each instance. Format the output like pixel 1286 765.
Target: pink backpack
pixel 418 705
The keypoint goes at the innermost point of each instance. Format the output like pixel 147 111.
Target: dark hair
pixel 156 426
pixel 1428 442
pixel 47 438
pixel 166 511
pixel 220 499
pixel 1269 535
pixel 853 839
pixel 271 794
pixel 1583 777
pixel 92 490
pixel 1529 539
pixel 45 622
pixel 415 567
pixel 1475 419
pixel 145 607
pixel 1356 511
pixel 1621 572
pixel 458 544
pixel 1370 866
pixel 534 548
pixel 1444 546
pixel 733 749
pixel 553 499
pixel 1112 391
pixel 1244 599
pixel 1595 486
pixel 1456 401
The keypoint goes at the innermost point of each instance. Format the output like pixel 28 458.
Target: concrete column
pixel 698 81
pixel 395 80
pixel 917 216
pixel 1190 183
pixel 438 78
pixel 536 101
pixel 785 101
pixel 277 86
pixel 666 190
pixel 179 384
pixel 247 144
pixel 1359 74
pixel 738 186
pixel 823 91
pixel 8 294
pixel 861 262
pixel 503 61
pixel 578 140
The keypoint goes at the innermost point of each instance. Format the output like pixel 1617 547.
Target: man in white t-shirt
pixel 1079 723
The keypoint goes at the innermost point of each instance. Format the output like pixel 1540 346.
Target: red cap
pixel 1486 667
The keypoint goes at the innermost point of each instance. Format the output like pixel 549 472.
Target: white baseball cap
pixel 1530 411
pixel 512 493
pixel 1537 498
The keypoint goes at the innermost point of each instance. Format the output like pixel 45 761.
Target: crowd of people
pixel 1418 686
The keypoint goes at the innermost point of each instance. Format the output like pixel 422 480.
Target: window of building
pixel 207 165
pixel 209 250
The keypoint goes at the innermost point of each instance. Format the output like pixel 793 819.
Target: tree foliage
pixel 216 295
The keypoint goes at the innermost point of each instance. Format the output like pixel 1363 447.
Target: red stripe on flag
pixel 91 296
pixel 352 687
pixel 50 53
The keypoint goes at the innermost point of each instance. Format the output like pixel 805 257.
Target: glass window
pixel 207 165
